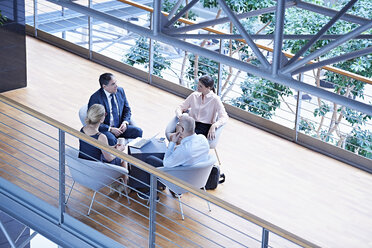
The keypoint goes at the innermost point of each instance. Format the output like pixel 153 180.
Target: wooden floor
pixel 311 195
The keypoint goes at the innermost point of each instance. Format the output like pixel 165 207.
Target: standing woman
pixel 95 116
pixel 205 107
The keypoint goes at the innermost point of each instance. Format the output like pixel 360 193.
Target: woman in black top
pixel 95 116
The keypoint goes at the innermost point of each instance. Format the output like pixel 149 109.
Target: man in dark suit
pixel 117 120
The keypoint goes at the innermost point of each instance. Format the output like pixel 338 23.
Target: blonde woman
pixel 95 116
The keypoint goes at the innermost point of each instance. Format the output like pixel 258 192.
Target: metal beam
pixel 330 46
pixel 265 36
pixel 156 17
pixel 43 218
pixel 278 36
pixel 174 9
pixel 330 61
pixel 181 13
pixel 226 19
pixel 239 26
pixel 28 240
pixel 7 235
pixel 322 31
pixel 331 12
pixel 264 73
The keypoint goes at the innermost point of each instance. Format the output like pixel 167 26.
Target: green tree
pixel 2 19
pixel 139 54
pixel 260 96
pixel 235 48
pixel 302 21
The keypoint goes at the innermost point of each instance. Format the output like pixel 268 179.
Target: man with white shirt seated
pixel 192 149
pixel 118 113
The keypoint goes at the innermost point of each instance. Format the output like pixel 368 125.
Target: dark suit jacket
pixel 124 110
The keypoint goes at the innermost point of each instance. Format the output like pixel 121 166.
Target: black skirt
pixel 202 128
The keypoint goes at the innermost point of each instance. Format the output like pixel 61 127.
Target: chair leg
pixel 126 191
pixel 209 206
pixel 91 203
pixel 69 193
pixel 179 202
pixel 218 158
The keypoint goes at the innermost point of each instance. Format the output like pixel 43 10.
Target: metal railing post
pixel 61 176
pixel 35 18
pixel 265 238
pixel 63 14
pixel 152 213
pixel 298 110
pixel 219 81
pixel 90 31
pixel 151 51
pixel 151 60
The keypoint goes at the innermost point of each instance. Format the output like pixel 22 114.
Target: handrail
pixel 144 166
pixel 289 55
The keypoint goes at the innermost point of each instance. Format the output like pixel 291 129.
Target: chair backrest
pixel 196 175
pixel 171 127
pixel 91 174
pixel 83 113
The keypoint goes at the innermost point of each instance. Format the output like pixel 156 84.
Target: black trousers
pixel 202 128
pixel 143 176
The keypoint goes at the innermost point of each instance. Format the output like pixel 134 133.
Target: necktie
pixel 115 113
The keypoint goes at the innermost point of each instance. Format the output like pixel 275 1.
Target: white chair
pixel 83 113
pixel 196 175
pixel 91 174
pixel 171 128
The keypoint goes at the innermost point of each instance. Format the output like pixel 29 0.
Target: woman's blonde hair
pixel 95 113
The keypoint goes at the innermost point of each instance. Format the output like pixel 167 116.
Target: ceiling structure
pixel 164 30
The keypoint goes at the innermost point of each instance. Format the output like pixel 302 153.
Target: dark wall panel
pixel 13 70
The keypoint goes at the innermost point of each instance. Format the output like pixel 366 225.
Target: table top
pixel 154 146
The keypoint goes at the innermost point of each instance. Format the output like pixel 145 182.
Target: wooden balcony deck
pixel 311 195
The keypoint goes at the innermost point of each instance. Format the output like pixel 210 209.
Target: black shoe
pixel 146 196
pixel 175 195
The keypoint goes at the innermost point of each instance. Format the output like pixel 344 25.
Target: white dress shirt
pixel 108 95
pixel 192 149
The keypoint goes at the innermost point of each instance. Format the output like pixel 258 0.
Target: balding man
pixel 192 149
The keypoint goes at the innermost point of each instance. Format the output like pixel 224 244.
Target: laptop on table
pixel 141 142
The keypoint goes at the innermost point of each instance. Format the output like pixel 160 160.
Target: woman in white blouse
pixel 205 107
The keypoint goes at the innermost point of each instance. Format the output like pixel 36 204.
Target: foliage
pixel 360 141
pixel 2 19
pixel 322 110
pixel 239 6
pixel 306 126
pixel 205 66
pixel 139 54
pixel 307 22
pixel 260 96
pixel 168 5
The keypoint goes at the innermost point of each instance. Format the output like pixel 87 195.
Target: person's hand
pixel 212 132
pixel 175 137
pixel 120 147
pixel 116 131
pixel 123 127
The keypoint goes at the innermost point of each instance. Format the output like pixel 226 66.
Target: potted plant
pixel 2 19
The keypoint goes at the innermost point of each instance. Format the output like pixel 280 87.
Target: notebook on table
pixel 141 142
